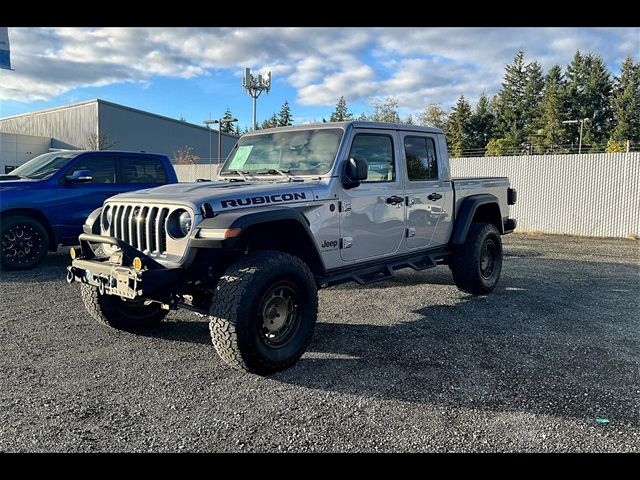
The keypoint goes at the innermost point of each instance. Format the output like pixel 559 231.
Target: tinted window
pixel 421 158
pixel 377 150
pixel 103 169
pixel 143 170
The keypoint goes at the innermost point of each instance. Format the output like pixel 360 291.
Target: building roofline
pixel 116 105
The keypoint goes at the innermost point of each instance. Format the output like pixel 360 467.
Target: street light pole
pixel 581 122
pixel 219 121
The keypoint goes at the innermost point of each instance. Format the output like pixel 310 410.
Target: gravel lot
pixel 405 365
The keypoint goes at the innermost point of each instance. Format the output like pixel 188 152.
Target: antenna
pixel 254 85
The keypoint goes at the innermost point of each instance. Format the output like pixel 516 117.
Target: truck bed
pixel 465 186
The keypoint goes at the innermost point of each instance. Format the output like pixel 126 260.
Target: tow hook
pixel 70 276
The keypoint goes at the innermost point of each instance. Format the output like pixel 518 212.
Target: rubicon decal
pixel 277 198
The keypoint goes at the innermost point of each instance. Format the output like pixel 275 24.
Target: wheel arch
pixel 36 215
pixel 282 229
pixel 476 208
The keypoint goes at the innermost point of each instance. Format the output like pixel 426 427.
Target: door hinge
pixel 346 242
pixel 411 232
pixel 344 206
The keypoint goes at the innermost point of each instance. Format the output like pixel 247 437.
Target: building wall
pixel 590 194
pixel 134 130
pixel 67 127
pixel 17 149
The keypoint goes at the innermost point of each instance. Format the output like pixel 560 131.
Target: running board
pixel 372 273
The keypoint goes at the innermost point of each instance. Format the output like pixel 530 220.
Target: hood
pixel 18 184
pixel 224 195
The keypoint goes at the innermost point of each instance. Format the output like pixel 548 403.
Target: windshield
pixel 301 152
pixel 43 165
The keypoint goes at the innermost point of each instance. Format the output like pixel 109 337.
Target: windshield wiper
pixel 273 171
pixel 237 172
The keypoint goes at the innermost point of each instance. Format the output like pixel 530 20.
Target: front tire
pixel 116 312
pixel 263 312
pixel 476 265
pixel 25 242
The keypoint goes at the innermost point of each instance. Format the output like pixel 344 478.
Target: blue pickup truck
pixel 45 202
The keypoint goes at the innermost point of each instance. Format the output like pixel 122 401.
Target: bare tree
pixel 103 141
pixel 183 156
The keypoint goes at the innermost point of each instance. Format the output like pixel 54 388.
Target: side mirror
pixel 356 169
pixel 80 176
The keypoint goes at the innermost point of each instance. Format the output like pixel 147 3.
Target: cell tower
pixel 254 85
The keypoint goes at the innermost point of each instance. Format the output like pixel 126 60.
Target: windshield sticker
pixel 240 157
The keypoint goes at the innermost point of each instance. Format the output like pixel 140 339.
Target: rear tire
pixel 476 265
pixel 263 312
pixel 122 314
pixel 25 242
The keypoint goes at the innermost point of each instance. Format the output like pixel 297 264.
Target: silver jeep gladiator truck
pixel 294 209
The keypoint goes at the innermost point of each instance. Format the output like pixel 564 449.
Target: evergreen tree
pixel 270 122
pixel 481 124
pixel 363 117
pixel 626 104
pixel 458 130
pixel 576 75
pixel 532 105
pixel 553 111
pixel 341 113
pixel 285 118
pixel 511 108
pixel 386 111
pixel 434 116
pixel 598 94
pixel 589 93
pixel 227 127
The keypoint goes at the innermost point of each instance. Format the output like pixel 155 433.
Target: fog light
pixel 137 264
pixel 72 253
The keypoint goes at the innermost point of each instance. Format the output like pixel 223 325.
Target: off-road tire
pixel 115 312
pixel 236 314
pixel 34 237
pixel 467 260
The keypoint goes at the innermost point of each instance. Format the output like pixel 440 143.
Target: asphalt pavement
pixel 548 362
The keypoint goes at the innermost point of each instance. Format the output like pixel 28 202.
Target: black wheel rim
pixel 488 258
pixel 279 314
pixel 21 244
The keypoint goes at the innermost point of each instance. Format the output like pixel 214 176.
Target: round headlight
pixel 185 223
pixel 179 224
pixel 106 217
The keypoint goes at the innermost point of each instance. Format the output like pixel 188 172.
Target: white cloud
pixel 415 65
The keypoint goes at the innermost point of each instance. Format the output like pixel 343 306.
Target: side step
pixel 365 275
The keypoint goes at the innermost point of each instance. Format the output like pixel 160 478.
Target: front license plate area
pixel 125 284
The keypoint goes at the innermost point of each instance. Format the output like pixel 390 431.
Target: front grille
pixel 144 228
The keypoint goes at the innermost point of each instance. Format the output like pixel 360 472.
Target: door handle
pixel 395 200
pixel 434 196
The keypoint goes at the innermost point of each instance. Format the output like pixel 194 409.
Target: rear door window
pixel 142 170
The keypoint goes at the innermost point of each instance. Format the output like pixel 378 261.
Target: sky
pixel 196 73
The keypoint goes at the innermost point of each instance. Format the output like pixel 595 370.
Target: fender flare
pixel 244 219
pixel 466 213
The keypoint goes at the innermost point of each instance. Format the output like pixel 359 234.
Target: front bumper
pixel 115 275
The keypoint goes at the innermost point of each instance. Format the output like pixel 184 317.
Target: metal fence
pixel 589 194
pixel 595 195
pixel 191 173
